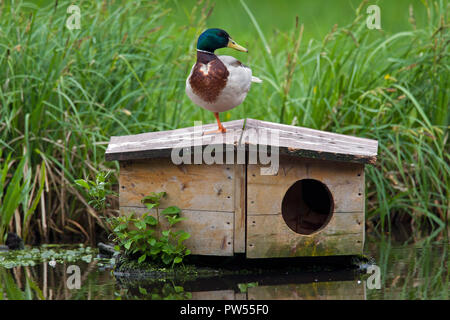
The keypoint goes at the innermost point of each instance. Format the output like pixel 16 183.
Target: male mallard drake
pixel 218 83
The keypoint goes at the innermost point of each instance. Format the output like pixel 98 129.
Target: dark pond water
pixel 396 270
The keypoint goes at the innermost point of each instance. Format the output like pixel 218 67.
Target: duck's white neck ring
pixel 204 51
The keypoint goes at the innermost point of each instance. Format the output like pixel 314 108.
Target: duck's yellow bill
pixel 234 45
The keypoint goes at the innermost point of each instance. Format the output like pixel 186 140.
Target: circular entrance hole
pixel 307 206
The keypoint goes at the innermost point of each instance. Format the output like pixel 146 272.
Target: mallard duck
pixel 218 83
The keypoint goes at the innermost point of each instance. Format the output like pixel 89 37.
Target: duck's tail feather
pixel 256 79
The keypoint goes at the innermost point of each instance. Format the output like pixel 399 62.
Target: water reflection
pixel 408 270
pixel 344 284
pixel 44 282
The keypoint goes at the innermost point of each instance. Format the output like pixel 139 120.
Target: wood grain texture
pixel 292 140
pixel 305 142
pixel 344 180
pixel 240 197
pixel 240 208
pixel 211 232
pixel 193 187
pixel 268 236
pixel 160 144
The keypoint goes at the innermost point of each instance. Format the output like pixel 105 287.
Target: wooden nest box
pixel 313 205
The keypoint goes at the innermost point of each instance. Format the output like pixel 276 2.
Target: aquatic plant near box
pixel 147 237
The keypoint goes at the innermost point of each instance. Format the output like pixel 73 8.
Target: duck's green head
pixel 213 39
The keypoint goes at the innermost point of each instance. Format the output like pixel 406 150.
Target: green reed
pixel 63 93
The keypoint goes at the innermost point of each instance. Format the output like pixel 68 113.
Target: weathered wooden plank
pixel 318 136
pixel 268 236
pixel 211 232
pixel 294 141
pixel 160 144
pixel 340 223
pixel 344 180
pixel 304 142
pixel 343 157
pixel 194 187
pixel 314 144
pixel 239 206
pixel 336 290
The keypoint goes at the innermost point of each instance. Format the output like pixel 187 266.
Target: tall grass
pixel 64 93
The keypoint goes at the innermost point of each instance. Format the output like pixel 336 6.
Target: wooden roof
pixel 294 141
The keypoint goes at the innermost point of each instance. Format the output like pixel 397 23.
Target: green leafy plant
pixel 145 236
pixel 97 189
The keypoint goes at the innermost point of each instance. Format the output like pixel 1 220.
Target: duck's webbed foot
pixel 221 128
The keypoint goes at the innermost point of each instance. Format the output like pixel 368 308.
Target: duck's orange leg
pixel 221 127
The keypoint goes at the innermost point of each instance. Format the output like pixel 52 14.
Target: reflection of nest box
pixel 312 206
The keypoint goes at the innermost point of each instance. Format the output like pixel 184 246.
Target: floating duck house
pixel 263 189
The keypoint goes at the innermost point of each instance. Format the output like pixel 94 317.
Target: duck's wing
pixel 230 61
pixel 256 79
pixel 234 65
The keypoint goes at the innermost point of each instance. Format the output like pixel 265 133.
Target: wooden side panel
pixel 193 187
pixel 239 213
pixel 211 232
pixel 344 180
pixel 268 235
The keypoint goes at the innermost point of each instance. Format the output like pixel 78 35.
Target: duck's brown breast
pixel 208 77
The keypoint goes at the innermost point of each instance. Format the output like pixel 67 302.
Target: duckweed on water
pixel 129 268
pixel 33 256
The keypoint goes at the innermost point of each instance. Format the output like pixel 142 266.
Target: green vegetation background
pixel 64 93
